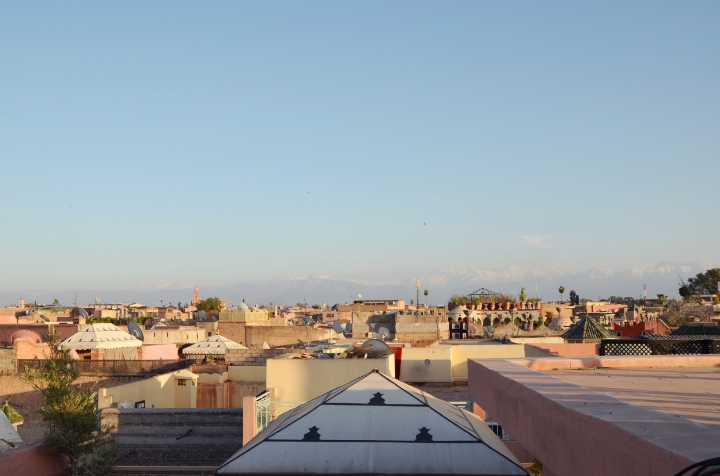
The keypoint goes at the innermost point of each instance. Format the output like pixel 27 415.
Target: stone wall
pixel 235 331
pixel 254 357
pixel 278 336
pixel 8 362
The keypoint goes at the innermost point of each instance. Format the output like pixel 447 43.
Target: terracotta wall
pixel 8 330
pixel 228 394
pixel 31 460
pixel 29 350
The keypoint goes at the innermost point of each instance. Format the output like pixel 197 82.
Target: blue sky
pixel 230 142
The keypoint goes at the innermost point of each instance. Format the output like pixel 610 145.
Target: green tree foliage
pixel 574 298
pixel 12 414
pixel 459 300
pixel 75 428
pixel 561 290
pixel 209 304
pixel 679 313
pixel 536 468
pixel 55 302
pixel 522 295
pixel 662 299
pixel 702 283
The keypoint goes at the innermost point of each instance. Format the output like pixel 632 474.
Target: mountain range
pixel 592 284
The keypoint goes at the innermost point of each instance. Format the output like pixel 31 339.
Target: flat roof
pixel 692 393
pixel 648 414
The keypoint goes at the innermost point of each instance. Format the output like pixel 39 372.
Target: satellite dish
pixel 214 318
pixel 134 330
pixel 202 316
pixel 359 296
pixel 348 328
pixel 44 318
pixel 308 320
pixel 383 333
pixel 337 327
pixel 376 344
pixel 82 313
pixel 489 331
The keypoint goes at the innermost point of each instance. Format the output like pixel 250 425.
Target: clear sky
pixel 236 141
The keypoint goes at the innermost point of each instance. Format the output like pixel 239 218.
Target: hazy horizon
pixel 592 284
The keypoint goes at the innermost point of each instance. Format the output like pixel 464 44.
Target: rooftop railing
pixel 658 346
pixel 115 367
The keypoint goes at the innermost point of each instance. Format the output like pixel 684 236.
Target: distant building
pixel 373 306
pixel 243 313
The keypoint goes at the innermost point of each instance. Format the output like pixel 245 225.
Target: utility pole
pixel 417 288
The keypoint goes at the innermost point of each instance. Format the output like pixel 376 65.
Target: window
pixel 182 383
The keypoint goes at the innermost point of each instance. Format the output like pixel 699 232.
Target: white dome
pixel 560 324
pixel 458 310
pixel 243 307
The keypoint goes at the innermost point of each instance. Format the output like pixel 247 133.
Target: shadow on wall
pixel 426 364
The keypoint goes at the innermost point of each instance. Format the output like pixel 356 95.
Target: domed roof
pixel 26 334
pixel 458 310
pixel 560 324
pixel 243 307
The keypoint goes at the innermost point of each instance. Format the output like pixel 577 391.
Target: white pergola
pixel 100 336
pixel 215 345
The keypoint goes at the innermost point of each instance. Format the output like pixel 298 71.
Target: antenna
pixel 645 294
pixel 417 289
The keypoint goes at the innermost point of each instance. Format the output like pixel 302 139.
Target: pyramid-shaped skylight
pixel 375 425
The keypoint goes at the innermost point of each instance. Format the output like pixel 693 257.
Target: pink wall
pixel 159 352
pixel 563 425
pixel 31 460
pixel 24 349
pixel 8 320
pixel 570 350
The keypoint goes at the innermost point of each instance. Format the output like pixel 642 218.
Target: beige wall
pixel 190 335
pixel 300 380
pixel 185 396
pixel 276 336
pixel 414 367
pixel 461 354
pixel 243 373
pixel 243 316
pixel 162 391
